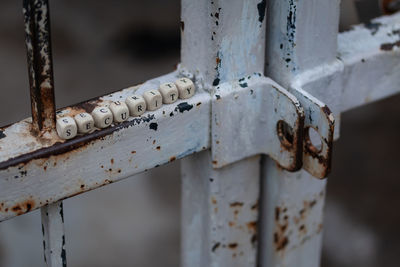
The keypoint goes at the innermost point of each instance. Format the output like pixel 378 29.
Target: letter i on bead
pixel 153 99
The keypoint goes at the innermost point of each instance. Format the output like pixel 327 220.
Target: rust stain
pixel 158 148
pixel 173 158
pixel 106 181
pixel 112 161
pixel 311 150
pixel 23 207
pixel 87 106
pixel 232 245
pixel 231 224
pixel 303 229
pixel 236 204
pixel 281 225
pixel 390 46
pixel 320 227
pixel 252 226
pixel 133 152
pixel 213 200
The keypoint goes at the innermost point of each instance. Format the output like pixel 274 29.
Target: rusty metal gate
pixel 271 79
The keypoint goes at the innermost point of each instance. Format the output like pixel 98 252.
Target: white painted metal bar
pixel 301 35
pixel 53 235
pixel 221 41
pixel 33 173
pixel 371 57
pixel 219 212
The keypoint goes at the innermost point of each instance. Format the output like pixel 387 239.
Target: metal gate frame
pixel 248 212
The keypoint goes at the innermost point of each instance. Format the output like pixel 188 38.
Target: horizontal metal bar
pixel 371 57
pixel 165 135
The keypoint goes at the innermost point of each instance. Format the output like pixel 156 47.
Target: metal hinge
pixel 255 115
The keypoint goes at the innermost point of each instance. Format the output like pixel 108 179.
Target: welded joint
pixel 268 119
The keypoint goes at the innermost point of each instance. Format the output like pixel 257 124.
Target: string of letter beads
pixel 134 105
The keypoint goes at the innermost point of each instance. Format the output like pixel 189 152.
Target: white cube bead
pixel 85 122
pixel 66 127
pixel 185 87
pixel 136 105
pixel 153 99
pixel 120 111
pixel 169 93
pixel 102 116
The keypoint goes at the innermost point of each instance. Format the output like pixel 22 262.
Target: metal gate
pixel 271 79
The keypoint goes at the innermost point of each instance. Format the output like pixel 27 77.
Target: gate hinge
pixel 255 115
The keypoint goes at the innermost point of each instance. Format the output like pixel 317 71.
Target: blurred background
pixel 102 46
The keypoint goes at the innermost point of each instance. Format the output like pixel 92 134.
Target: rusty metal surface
pixel 247 119
pixel 36 171
pixel 53 235
pixel 40 67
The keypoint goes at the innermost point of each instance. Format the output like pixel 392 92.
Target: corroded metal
pixel 256 124
pixel 39 171
pixel 40 67
pixel 53 235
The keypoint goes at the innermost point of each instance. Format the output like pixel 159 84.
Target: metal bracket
pixel 270 120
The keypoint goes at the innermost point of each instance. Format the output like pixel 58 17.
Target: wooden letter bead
pixel 185 87
pixel 153 99
pixel 66 127
pixel 120 111
pixel 169 93
pixel 85 122
pixel 102 116
pixel 136 105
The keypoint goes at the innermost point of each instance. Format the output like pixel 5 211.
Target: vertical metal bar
pixel 37 38
pixel 40 67
pixel 53 235
pixel 221 41
pixel 301 35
